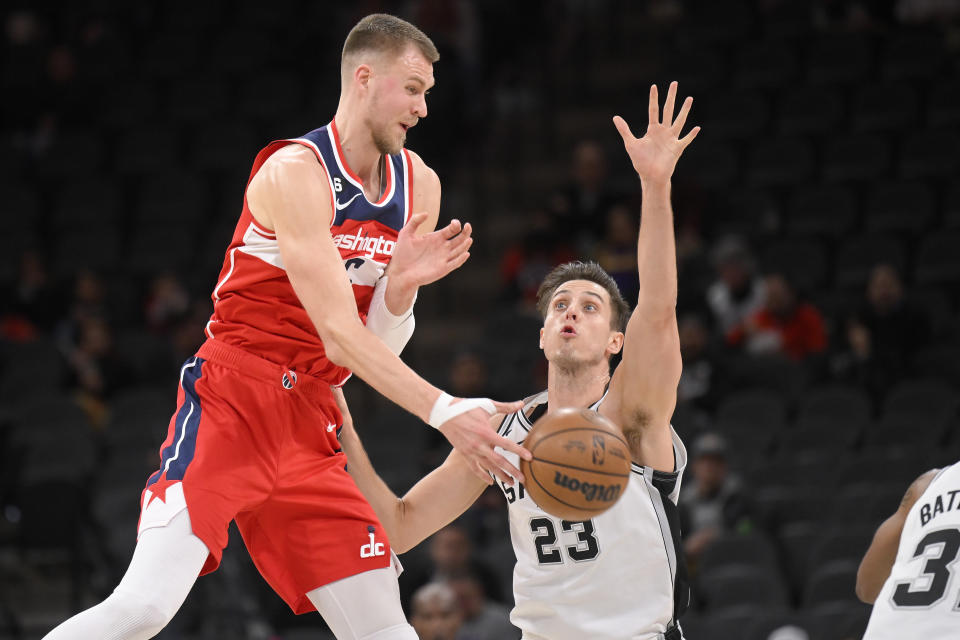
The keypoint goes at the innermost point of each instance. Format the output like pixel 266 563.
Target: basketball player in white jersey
pixel 909 571
pixel 318 282
pixel 621 574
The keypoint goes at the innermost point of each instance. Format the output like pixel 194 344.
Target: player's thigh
pixel 365 606
pixel 166 562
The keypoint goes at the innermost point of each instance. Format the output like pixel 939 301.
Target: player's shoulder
pixel 291 160
pixel 421 170
pixel 524 418
pixel 293 152
pixel 917 487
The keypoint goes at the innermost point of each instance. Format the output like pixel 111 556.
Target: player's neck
pixel 361 154
pixel 579 388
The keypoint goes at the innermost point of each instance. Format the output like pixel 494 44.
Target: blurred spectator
pixel 788 632
pixel 712 500
pixel 882 334
pixel 166 304
pixel 617 250
pixel 30 305
pixel 96 370
pixel 783 325
pixel 451 555
pixel 699 376
pixel 525 264
pixel 187 335
pixel 737 292
pixel 468 377
pixel 583 202
pixel 88 299
pixel 435 613
pixel 482 619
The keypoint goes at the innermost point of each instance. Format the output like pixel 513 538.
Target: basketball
pixel 580 465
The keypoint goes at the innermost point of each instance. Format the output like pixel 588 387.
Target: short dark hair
pixel 593 272
pixel 384 33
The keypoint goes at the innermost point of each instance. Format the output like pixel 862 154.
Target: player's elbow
pixel 401 538
pixel 658 314
pixel 335 337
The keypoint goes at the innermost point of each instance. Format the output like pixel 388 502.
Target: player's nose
pixel 420 108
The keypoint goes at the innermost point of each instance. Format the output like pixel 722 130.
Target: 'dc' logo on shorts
pixel 289 379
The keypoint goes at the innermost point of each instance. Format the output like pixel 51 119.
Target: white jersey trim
pixel 326 171
pixel 391 179
pixel 260 246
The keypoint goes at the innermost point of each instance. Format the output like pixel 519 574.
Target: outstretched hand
pixel 421 259
pixel 655 155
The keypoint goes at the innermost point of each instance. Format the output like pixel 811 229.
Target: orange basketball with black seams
pixel 580 466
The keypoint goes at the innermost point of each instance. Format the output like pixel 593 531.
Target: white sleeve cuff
pixel 395 331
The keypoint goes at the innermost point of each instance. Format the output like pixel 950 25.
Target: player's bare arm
pixel 431 504
pixel 643 389
pixel 290 195
pixel 878 561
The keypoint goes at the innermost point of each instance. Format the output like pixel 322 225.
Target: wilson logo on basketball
pixel 591 491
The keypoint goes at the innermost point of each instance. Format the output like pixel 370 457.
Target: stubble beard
pixel 569 365
pixel 385 145
pixel 382 140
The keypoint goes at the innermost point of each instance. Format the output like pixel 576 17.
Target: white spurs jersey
pixel 921 598
pixel 617 576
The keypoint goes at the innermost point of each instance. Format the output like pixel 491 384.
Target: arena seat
pixel 856 157
pixel 859 254
pixel 885 107
pixel 899 207
pixel 734 585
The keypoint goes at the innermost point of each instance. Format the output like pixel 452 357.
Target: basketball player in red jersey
pixel 327 256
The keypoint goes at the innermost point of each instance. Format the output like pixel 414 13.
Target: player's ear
pixel 541 338
pixel 362 75
pixel 616 342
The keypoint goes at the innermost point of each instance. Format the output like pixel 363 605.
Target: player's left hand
pixel 421 259
pixel 655 155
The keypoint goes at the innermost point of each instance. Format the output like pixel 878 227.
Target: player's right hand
pixel 470 434
pixel 419 260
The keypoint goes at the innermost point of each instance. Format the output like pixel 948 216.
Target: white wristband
pixel 443 410
pixel 395 331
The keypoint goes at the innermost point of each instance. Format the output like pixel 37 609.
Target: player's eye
pixel 560 305
pixel 590 307
pixel 412 90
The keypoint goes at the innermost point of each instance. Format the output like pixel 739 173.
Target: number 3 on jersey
pixel 940 548
pixel 545 540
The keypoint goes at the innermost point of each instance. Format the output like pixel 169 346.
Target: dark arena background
pixel 822 192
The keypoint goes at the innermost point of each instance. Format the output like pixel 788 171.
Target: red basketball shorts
pixel 253 442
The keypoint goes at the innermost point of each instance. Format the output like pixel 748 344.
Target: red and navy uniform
pixel 254 434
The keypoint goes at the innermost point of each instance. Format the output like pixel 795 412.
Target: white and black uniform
pixel 618 576
pixel 921 598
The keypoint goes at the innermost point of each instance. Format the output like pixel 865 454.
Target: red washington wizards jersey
pixel 254 305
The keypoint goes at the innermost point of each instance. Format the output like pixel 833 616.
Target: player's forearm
pixel 431 504
pixel 400 294
pixel 333 311
pixel 351 345
pixel 384 501
pixel 656 252
pixel 436 501
pixel 878 561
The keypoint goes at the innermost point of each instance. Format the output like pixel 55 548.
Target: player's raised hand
pixel 465 422
pixel 421 259
pixel 655 155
